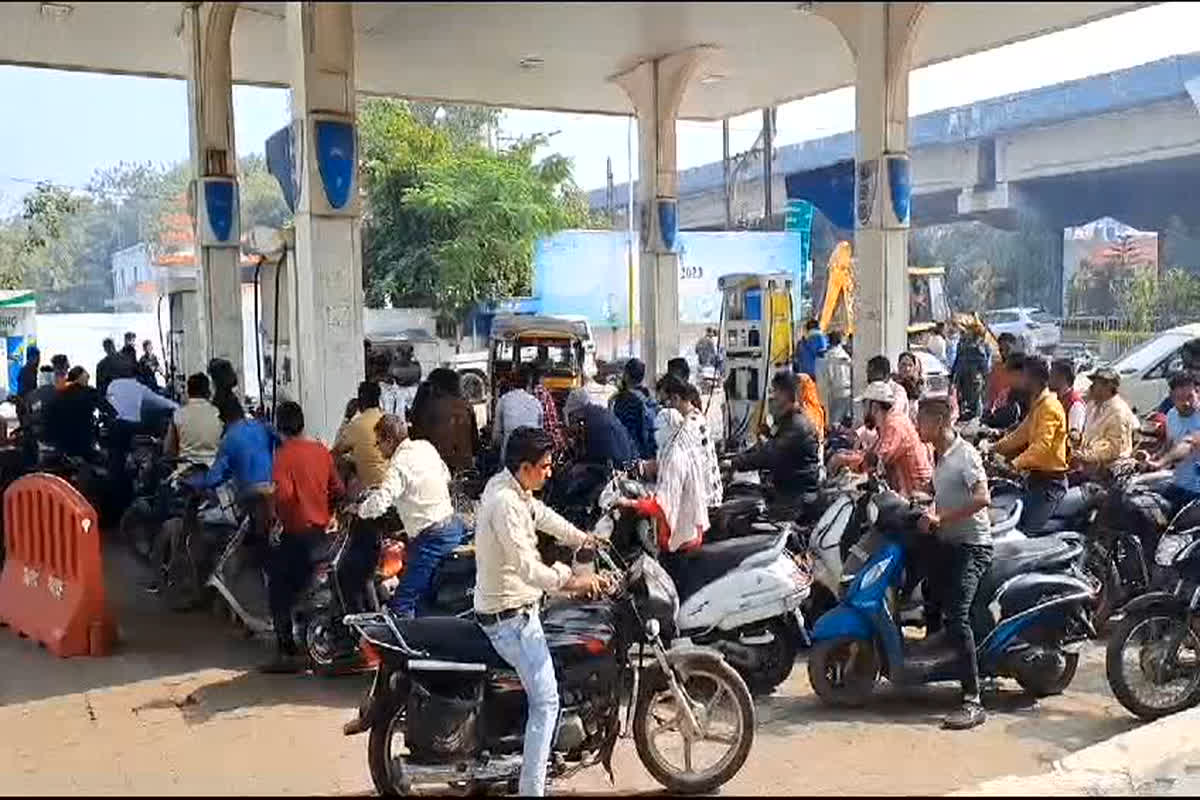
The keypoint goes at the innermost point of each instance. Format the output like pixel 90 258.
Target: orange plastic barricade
pixel 52 587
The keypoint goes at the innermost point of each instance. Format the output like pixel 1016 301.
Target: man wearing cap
pixel 904 457
pixel 1108 425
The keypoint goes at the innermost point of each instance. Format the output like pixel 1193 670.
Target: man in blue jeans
pixel 417 483
pixel 509 583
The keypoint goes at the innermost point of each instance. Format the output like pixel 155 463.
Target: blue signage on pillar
pixel 219 203
pixel 280 163
pixel 899 170
pixel 16 359
pixel 336 160
pixel 668 220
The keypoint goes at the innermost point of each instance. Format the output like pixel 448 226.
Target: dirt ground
pixel 179 710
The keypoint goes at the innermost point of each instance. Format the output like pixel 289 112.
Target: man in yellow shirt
pixel 1039 446
pixel 357 437
pixel 1109 426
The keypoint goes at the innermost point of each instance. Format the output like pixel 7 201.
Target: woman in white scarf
pixel 686 468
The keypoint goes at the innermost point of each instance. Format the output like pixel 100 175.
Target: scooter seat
pixel 692 571
pixel 450 639
pixel 1003 508
pixel 1012 558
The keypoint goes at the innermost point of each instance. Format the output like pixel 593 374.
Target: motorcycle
pixel 445 708
pixel 742 596
pixel 209 554
pixel 1029 616
pixel 157 498
pixel 1153 658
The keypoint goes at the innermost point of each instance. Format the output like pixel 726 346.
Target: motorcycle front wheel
pixel 724 712
pixel 1153 664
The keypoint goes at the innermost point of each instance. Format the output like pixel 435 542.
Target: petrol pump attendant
pixel 511 580
pixel 960 522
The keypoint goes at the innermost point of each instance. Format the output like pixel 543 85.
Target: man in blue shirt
pixel 636 410
pixel 1190 353
pixel 1183 437
pixel 604 437
pixel 245 455
pixel 809 349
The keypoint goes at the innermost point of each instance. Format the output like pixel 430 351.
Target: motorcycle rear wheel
pixel 1102 573
pixel 387 773
pixel 843 671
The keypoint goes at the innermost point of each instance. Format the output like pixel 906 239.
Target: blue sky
pixel 71 124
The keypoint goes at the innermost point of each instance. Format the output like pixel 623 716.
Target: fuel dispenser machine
pixel 757 338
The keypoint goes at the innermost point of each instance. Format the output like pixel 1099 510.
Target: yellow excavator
pixel 927 303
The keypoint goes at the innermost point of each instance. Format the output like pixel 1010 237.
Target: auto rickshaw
pixel 519 339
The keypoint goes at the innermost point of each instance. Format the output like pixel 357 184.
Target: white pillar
pixel 656 90
pixel 880 36
pixel 327 291
pixel 214 329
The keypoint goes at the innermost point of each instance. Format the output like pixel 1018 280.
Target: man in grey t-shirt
pixel 960 521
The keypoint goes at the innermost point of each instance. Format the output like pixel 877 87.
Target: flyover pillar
pixel 881 38
pixel 212 327
pixel 656 90
pixel 326 293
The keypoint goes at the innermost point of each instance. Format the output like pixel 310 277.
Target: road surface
pixel 179 709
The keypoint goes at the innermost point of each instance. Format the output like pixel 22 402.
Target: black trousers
pixel 955 579
pixel 289 568
pixel 360 558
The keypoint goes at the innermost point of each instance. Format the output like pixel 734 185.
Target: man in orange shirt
pixel 306 488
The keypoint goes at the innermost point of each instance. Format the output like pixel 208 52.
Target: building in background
pixel 1099 260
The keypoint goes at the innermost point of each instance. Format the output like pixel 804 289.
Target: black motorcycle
pixel 445 708
pixel 1153 657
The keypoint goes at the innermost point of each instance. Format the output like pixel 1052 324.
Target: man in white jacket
pixel 833 380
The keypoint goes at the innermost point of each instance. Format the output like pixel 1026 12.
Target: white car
pixel 1035 329
pixel 1146 369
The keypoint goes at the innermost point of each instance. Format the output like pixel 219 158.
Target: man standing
pixel 706 349
pixel 810 348
pixel 443 417
pixel 511 580
pixel 1039 445
pixel 417 484
pixel 935 342
pixel 1183 439
pixel 358 438
pixel 634 407
pixel 306 488
pixel 27 377
pixel 517 408
pixel 834 375
pixel 960 521
pixel 148 365
pixel 131 399
pixel 106 368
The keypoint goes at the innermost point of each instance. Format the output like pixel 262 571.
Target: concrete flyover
pixel 1124 144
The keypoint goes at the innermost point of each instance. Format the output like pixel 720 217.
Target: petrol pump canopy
pixel 557 56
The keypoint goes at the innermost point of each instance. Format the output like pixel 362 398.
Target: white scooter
pixel 742 596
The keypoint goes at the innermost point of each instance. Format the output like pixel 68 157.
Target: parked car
pixel 1145 370
pixel 1035 329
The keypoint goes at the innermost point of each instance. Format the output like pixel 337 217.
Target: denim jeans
pixel 964 565
pixel 1042 495
pixel 425 554
pixel 520 641
pixel 358 562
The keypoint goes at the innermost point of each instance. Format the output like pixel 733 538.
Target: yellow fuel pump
pixel 756 338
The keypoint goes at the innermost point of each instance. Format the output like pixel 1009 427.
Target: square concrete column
pixel 326 294
pixel 656 90
pixel 213 326
pixel 881 39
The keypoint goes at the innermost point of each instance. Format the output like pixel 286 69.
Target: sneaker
pixel 968 716
pixel 283 664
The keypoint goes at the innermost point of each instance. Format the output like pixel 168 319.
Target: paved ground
pixel 177 711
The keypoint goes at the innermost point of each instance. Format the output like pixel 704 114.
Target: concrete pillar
pixel 656 90
pixel 327 292
pixel 213 326
pixel 880 35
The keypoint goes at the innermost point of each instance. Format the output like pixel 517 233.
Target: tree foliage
pixel 450 222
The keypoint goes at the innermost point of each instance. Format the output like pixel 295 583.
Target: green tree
pixel 450 223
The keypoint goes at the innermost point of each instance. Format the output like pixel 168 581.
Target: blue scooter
pixel 1030 613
